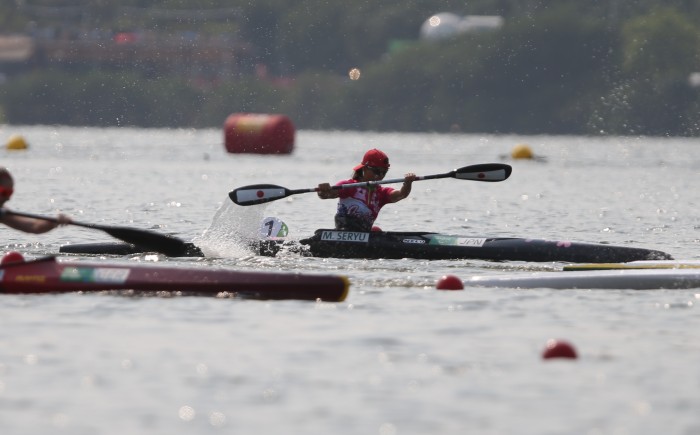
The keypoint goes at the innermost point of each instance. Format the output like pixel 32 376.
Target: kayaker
pixel 358 207
pixel 28 225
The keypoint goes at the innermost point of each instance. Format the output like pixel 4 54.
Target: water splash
pixel 231 232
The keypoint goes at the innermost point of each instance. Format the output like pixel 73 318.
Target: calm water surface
pixel 398 356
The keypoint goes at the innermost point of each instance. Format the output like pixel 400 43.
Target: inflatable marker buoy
pixel 449 282
pixel 522 151
pixel 16 142
pixel 258 134
pixel 559 349
pixel 12 257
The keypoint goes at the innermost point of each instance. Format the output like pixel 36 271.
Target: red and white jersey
pixel 362 203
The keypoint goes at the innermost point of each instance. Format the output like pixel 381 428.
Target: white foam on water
pixel 231 230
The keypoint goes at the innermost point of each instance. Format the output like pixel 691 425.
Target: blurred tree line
pixel 554 67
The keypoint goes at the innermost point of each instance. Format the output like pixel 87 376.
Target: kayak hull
pixel 120 248
pixel 631 279
pixel 635 265
pixel 420 245
pixel 433 246
pixel 49 275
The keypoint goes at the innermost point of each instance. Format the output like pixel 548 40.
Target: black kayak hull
pixel 120 248
pixel 419 245
pixel 433 246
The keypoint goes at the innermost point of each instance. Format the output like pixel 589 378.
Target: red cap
pixel 375 158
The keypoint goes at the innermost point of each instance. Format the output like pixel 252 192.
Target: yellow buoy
pixel 522 151
pixel 16 142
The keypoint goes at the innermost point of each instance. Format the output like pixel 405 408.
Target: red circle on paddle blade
pixel 260 194
pixel 481 175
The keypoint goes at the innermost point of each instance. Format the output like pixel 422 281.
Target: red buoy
pixel 559 349
pixel 258 134
pixel 449 282
pixel 12 257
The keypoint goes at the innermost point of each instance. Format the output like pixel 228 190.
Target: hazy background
pixel 491 66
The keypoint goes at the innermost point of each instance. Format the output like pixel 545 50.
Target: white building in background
pixel 446 25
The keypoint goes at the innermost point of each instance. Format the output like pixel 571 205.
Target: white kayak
pixel 634 279
pixel 644 264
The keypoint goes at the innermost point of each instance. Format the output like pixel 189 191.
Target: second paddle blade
pixel 257 194
pixel 484 172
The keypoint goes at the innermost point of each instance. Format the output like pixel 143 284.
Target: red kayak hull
pixel 48 275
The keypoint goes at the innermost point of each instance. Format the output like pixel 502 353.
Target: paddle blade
pixel 170 246
pixel 258 194
pixel 147 240
pixel 491 172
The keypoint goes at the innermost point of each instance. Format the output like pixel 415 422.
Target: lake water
pixel 397 357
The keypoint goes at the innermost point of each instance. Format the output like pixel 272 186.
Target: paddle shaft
pixel 167 245
pixel 52 219
pixel 368 183
pixel 262 193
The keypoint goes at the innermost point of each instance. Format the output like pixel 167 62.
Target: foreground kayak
pixel 421 245
pixel 433 246
pixel 48 275
pixel 632 279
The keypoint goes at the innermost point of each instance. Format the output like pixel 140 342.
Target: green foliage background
pixel 556 67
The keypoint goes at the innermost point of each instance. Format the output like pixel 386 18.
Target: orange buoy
pixel 258 134
pixel 16 142
pixel 522 151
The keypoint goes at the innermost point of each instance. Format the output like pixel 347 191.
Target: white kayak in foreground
pixel 633 279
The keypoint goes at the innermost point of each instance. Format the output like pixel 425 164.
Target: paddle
pixel 262 193
pixel 170 246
